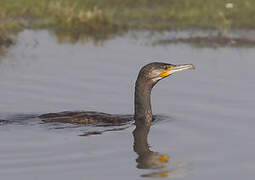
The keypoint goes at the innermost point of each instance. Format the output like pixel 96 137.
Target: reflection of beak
pixel 182 67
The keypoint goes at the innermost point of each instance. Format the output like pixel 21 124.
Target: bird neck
pixel 143 112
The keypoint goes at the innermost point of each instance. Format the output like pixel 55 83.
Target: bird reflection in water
pixel 148 159
pixel 148 76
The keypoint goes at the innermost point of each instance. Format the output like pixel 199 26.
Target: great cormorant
pixel 148 76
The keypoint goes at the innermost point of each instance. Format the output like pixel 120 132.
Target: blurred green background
pixel 103 18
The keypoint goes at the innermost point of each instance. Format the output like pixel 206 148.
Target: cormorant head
pixel 156 71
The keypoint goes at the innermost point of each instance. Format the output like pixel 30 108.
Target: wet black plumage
pixel 148 76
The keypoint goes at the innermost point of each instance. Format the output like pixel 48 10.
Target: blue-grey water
pixel 207 131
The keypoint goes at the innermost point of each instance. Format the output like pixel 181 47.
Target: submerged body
pixel 148 76
pixel 86 117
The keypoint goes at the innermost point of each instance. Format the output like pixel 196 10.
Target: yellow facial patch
pixel 164 158
pixel 166 72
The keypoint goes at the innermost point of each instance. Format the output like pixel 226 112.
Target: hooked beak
pixel 175 68
pixel 181 67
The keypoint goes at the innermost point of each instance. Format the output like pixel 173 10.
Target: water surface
pixel 207 131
